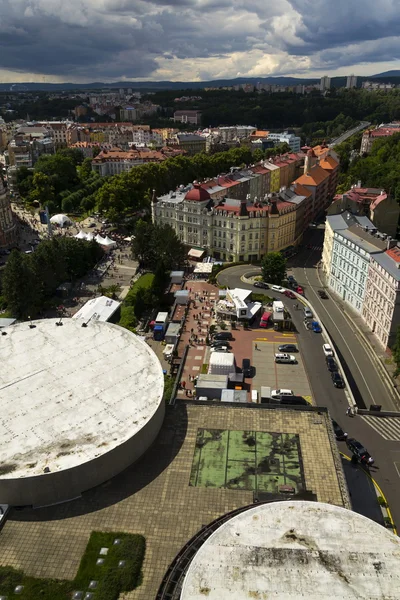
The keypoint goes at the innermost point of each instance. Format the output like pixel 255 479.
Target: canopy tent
pixel 90 236
pixel 109 242
pixel 81 235
pixel 100 240
pixel 61 220
pixel 196 253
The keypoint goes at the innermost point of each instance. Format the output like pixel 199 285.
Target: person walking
pixel 348 411
pixel 255 347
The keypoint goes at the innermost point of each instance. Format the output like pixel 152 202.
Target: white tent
pixel 81 235
pixel 89 236
pixel 99 239
pixel 109 242
pixel 61 220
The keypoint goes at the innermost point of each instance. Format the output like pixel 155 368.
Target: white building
pixel 289 138
pixel 349 243
pixel 325 83
pixel 229 134
pixel 381 310
pixel 351 82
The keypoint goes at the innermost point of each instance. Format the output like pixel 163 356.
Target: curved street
pixel 360 368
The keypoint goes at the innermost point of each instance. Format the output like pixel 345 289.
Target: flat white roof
pixel 296 550
pixel 203 268
pixel 97 309
pixel 71 393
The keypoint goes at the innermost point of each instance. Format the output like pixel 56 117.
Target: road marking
pixel 387 427
pixel 396 466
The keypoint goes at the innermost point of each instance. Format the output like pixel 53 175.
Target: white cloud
pixel 86 40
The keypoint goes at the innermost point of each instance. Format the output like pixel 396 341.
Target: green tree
pixel 155 245
pixel 273 268
pixel 75 155
pixel 396 352
pixel 85 170
pixel 42 190
pixel 21 288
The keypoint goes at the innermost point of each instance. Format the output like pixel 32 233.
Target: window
pixel 243 238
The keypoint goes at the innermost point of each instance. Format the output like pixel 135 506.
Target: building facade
pixel 381 310
pixel 231 229
pixel 286 138
pixel 114 162
pixel 187 116
pixel 350 242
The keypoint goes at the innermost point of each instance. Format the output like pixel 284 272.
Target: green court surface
pixel 247 460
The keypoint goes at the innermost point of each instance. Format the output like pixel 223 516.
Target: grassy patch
pixel 145 282
pixel 204 369
pixel 112 580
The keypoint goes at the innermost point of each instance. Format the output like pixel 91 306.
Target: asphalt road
pixel 357 363
pixel 349 133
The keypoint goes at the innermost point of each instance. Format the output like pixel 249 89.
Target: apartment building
pixel 189 142
pixel 286 138
pixel 381 310
pixel 376 204
pixel 188 116
pixel 321 170
pixel 114 162
pixel 234 132
pixel 231 229
pixel 349 243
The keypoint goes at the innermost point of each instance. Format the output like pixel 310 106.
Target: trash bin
pixel 375 407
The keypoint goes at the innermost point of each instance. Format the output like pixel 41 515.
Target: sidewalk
pixel 381 357
pixel 202 300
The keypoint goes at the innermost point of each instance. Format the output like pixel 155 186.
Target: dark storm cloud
pixel 112 39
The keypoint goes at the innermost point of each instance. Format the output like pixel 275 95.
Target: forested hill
pixel 378 169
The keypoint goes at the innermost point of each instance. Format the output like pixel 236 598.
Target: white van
pixel 282 357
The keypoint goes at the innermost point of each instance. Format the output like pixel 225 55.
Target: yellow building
pixel 281 225
pixel 275 180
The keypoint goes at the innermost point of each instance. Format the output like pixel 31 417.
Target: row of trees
pixel 29 280
pixel 131 191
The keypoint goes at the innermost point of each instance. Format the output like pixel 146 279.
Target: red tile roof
pixel 394 253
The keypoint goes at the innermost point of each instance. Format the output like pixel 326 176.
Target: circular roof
pixel 296 550
pixel 70 394
pixel 197 193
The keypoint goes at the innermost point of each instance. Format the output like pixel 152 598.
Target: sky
pixel 195 40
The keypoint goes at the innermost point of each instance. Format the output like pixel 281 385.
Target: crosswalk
pixel 387 427
pixel 314 247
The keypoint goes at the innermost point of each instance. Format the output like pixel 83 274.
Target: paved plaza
pixel 154 498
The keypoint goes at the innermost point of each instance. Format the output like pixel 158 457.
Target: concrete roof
pixel 388 264
pixel 72 393
pixel 347 219
pixel 97 309
pixel 296 550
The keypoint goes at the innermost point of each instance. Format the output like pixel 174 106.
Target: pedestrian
pixel 348 411
pixel 255 346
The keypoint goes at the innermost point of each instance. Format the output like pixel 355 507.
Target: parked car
pixel 337 379
pixel 327 350
pixel 287 348
pixel 289 294
pixel 299 290
pixel 339 433
pixel 284 358
pixel 223 335
pixel 331 364
pixel 359 451
pixel 277 288
pixel 322 294
pixel 316 327
pixel 307 313
pixel 261 284
pixel 246 367
pixel 282 392
pixel 290 279
pixel 219 343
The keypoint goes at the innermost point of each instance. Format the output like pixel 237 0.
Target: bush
pixel 128 318
pixel 382 501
